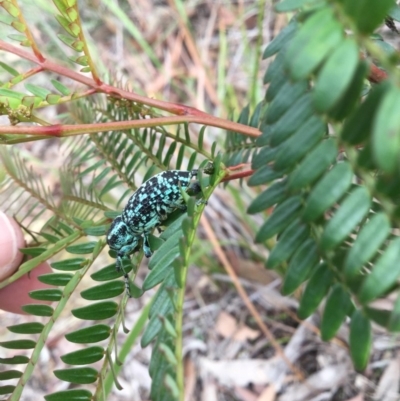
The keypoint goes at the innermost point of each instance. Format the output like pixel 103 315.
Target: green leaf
pixel 314 164
pixel 370 238
pixel 160 271
pixel 9 69
pixel 366 14
pixel 61 88
pixel 70 395
pixel 314 41
pixel 15 360
pixel 292 120
pixel 288 94
pixel 384 274
pixel 280 218
pixel 84 356
pixel 6 389
pixel 315 291
pixel 264 175
pixel 336 75
pixel 38 310
pixel 69 264
pixel 26 328
pixel 77 375
pixel 82 249
pixel 38 91
pixel 300 143
pixel 328 191
pixel 395 12
pixel 53 98
pixel 351 211
pixel 276 193
pixel 358 127
pixel 92 334
pixel 110 272
pixel 303 260
pixel 103 291
pixel 98 311
pixel 291 5
pixel 59 279
pixel 10 374
pixel 352 94
pixel 48 294
pixel 18 344
pixel 360 340
pixel 289 241
pixel 263 157
pixel 337 306
pixel 386 131
pixel 394 319
pixel 284 36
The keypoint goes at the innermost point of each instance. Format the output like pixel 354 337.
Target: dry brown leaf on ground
pixel 388 386
pixel 227 327
pixel 325 380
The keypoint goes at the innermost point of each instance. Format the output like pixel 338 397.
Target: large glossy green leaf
pixel 384 273
pixel 70 395
pixel 15 360
pixel 336 75
pixel 358 127
pixel 107 290
pixel 84 356
pixel 280 218
pixel 263 157
pixel 314 41
pixel 26 328
pixel 292 120
pixel 280 40
pixel 352 94
pixel 18 344
pixel 77 375
pixel 369 240
pixel 386 131
pixel 288 243
pixel 316 289
pixel 91 334
pixel 160 271
pixel 338 305
pixel 59 279
pixel 288 94
pixel 276 193
pixel 48 294
pixel 360 339
pixel 38 309
pixel 314 164
pixel 328 191
pixel 98 311
pixel 300 143
pixel 366 14
pixel 264 175
pixel 351 211
pixel 300 266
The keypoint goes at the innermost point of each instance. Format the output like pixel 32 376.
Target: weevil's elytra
pixel 146 209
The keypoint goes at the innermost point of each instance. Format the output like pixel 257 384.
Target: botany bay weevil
pixel 146 209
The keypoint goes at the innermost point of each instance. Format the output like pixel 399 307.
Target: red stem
pixel 192 114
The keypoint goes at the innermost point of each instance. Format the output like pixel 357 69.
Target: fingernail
pixel 11 239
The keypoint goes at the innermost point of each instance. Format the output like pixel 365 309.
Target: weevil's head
pixel 120 239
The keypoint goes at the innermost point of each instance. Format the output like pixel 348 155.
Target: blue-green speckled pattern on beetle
pixel 146 209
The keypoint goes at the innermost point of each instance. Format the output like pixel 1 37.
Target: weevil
pixel 146 209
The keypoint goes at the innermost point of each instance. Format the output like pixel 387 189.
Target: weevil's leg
pixel 146 245
pixel 120 267
pixel 194 172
